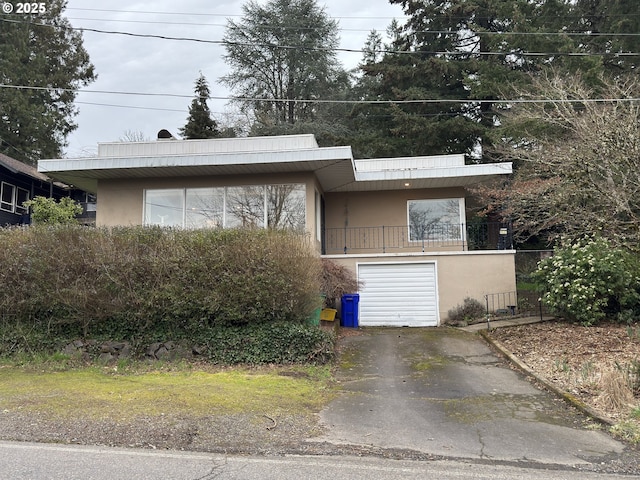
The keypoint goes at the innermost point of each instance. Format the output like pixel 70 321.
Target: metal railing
pixel 503 303
pixel 405 238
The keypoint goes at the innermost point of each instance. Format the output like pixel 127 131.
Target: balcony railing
pixel 407 239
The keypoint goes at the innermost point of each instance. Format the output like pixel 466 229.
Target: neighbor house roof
pixel 16 166
pixel 334 167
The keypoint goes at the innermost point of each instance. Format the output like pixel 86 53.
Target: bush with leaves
pixel 47 211
pixel 588 280
pixel 275 343
pixel 470 311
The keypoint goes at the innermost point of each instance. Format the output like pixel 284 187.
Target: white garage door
pixel 398 294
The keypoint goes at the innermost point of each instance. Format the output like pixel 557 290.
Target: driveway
pixel 444 392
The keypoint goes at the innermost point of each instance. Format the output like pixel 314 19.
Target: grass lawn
pixel 142 389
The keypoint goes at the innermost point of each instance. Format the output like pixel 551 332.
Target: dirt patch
pixel 598 365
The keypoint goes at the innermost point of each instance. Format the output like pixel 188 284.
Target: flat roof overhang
pixel 332 166
pixel 439 177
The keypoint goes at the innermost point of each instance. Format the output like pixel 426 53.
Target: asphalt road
pixel 28 461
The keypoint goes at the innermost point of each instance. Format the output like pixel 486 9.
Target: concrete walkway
pixel 505 322
pixel 443 392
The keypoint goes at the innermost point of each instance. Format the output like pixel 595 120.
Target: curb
pixel 566 396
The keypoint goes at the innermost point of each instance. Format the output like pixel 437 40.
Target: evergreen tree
pixel 613 26
pixel 200 124
pixel 43 63
pixel 449 63
pixel 280 55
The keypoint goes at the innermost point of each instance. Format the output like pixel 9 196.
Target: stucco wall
pixel 385 207
pixel 459 274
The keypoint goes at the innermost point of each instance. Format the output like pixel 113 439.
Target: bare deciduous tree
pixel 134 136
pixel 578 161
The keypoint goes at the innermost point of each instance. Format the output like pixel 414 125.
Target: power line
pixel 132 106
pixel 200 14
pixel 111 92
pixel 203 14
pixel 345 102
pixel 434 32
pixel 350 50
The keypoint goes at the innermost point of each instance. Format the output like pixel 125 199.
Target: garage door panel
pixel 403 294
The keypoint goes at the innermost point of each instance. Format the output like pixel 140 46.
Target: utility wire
pixel 434 32
pixel 350 50
pixel 133 107
pixel 203 14
pixel 200 14
pixel 320 101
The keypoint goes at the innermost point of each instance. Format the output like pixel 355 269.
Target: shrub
pixel 336 281
pixel 48 211
pixel 141 281
pixel 587 280
pixel 471 310
pixel 279 342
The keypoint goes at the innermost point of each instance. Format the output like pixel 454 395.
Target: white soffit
pixel 414 178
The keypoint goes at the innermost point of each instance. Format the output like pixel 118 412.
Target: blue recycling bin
pixel 349 312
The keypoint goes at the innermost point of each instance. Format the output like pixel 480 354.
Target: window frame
pixel 7 206
pixel 18 207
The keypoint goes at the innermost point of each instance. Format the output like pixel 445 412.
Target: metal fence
pixel 530 300
pixel 406 238
pixel 504 303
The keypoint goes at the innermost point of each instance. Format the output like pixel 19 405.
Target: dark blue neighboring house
pixel 20 182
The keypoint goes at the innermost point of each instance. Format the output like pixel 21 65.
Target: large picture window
pixel 245 207
pixel 436 219
pixel 274 206
pixel 164 207
pixel 286 206
pixel 204 207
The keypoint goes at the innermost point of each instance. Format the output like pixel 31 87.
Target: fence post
pixel 486 299
pixel 540 307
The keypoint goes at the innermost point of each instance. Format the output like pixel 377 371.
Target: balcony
pixel 409 239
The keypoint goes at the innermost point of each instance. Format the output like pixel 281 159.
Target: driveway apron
pixel 444 392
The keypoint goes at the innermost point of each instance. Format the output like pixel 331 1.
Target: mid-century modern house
pixel 20 182
pixel 399 223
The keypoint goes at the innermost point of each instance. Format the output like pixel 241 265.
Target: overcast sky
pixel 157 66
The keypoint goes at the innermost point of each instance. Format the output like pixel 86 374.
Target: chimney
pixel 165 135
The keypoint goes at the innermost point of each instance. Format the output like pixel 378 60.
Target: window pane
pixel 286 206
pixel 434 219
pixel 245 207
pixel 205 207
pixel 164 207
pixel 21 196
pixel 6 196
